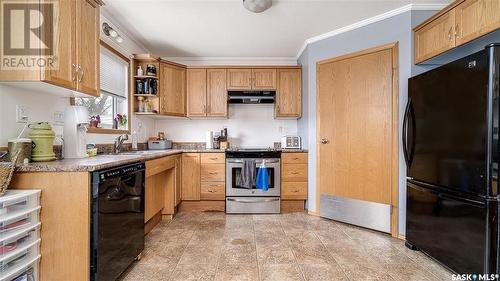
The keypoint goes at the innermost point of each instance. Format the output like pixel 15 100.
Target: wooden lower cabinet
pixel 154 193
pixel 190 176
pixel 293 181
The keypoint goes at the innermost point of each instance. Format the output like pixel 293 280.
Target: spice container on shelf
pixel 141 104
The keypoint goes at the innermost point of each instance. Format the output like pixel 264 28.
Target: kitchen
pixel 142 156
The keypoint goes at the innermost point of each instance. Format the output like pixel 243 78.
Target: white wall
pixel 248 126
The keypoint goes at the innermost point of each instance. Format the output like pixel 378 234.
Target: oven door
pixel 233 173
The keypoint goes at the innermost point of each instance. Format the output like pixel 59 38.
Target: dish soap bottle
pixel 134 140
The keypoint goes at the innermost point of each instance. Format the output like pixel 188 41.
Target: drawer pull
pixel 294 173
pixel 212 173
pixel 213 158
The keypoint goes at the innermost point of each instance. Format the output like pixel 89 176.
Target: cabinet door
pixel 216 93
pixel 172 90
pixel 155 187
pixel 239 79
pixel 190 176
pixel 264 79
pixel 64 71
pixel 289 94
pixel 88 49
pixel 178 179
pixel 196 92
pixel 475 18
pixel 435 37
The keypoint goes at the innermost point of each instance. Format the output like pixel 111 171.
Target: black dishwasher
pixel 117 220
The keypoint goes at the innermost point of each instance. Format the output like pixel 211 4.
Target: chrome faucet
pixel 118 143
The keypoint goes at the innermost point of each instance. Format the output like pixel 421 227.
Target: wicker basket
pixel 6 172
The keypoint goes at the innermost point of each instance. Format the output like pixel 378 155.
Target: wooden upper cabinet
pixel 88 48
pixel 289 93
pixel 476 17
pixel 239 79
pixel 216 93
pixel 196 92
pixel 64 72
pixel 190 176
pixel 435 37
pixel 172 90
pixel 264 79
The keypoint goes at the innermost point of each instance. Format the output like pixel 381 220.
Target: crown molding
pixel 262 61
pixel 368 21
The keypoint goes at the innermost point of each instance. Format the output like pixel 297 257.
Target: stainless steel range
pixel 247 198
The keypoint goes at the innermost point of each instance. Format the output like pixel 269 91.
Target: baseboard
pixel 313 213
pixel 152 222
pixel 202 206
pixel 402 237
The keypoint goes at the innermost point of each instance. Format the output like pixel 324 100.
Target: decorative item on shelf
pixel 95 121
pixel 120 121
pixel 6 173
pixel 140 71
pixel 150 86
pixel 141 104
pixel 161 135
pixel 43 141
pixel 139 87
pixel 151 70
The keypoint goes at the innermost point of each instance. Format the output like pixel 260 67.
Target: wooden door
pixel 196 92
pixel 357 127
pixel 64 71
pixel 216 93
pixel 191 176
pixel 88 47
pixel 264 79
pixel 475 18
pixel 172 90
pixel 435 37
pixel 239 79
pixel 155 187
pixel 289 94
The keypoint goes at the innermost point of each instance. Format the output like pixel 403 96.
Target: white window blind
pixel 113 74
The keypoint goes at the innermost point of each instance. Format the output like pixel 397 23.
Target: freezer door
pixel 450 229
pixel 446 126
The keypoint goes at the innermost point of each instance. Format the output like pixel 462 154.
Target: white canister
pixel 209 137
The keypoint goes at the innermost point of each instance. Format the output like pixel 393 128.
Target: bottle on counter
pixel 134 140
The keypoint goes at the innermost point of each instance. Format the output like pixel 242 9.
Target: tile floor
pixel 297 246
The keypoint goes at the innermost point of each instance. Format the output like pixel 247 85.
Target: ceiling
pixel 224 28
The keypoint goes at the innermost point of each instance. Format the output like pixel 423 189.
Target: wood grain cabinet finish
pixel 239 79
pixel 172 90
pixel 213 158
pixel 294 176
pixel 196 92
pixel 155 188
pixel 213 191
pixel 264 79
pixel 178 180
pixel 213 172
pixel 289 93
pixel 191 176
pixel 213 176
pixel 216 93
pixel 459 23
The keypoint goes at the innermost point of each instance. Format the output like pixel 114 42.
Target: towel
pixel 247 176
pixel 262 181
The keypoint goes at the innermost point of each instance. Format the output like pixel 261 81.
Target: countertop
pixel 104 161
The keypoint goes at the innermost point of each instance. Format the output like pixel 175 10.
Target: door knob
pixel 324 141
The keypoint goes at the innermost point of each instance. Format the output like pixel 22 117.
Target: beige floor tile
pixel 275 255
pixel 163 255
pixel 148 272
pixel 238 254
pixel 200 254
pixel 281 272
pixel 194 272
pixel 237 272
pixel 323 272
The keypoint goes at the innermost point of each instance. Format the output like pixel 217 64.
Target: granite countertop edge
pixel 105 161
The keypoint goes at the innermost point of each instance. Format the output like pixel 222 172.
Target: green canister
pixel 43 142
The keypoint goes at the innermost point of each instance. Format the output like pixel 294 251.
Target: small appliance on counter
pixel 291 142
pixel 159 144
pixel 42 136
pixel 75 131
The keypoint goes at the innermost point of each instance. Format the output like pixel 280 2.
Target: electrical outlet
pixel 58 118
pixel 22 114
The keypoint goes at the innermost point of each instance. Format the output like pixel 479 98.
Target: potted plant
pixel 95 121
pixel 120 121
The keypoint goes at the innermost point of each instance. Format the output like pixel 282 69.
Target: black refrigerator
pixel 450 144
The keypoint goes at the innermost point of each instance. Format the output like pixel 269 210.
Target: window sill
pixel 107 131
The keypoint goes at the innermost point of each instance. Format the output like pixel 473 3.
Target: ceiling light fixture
pixel 110 32
pixel 257 6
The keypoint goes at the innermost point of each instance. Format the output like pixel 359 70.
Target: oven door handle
pixel 257 162
pixel 253 201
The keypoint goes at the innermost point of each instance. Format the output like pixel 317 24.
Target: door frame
pixel 394 47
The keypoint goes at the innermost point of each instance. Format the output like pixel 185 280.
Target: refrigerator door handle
pixel 411 152
pixel 405 133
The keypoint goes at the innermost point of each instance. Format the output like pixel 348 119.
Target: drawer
pixel 27 271
pixel 213 172
pixel 213 158
pixel 294 172
pixel 212 191
pixel 19 257
pixel 19 239
pixel 159 165
pixel 19 200
pixel 18 220
pixel 294 158
pixel 294 190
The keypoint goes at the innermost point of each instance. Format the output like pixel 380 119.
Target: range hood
pixel 251 97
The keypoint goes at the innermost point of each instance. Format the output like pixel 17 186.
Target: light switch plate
pixel 58 118
pixel 22 114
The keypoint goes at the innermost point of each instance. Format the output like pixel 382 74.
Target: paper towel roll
pixel 209 137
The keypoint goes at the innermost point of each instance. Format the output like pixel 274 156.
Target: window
pixel 110 111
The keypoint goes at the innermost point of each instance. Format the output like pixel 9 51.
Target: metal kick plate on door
pixel 367 214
